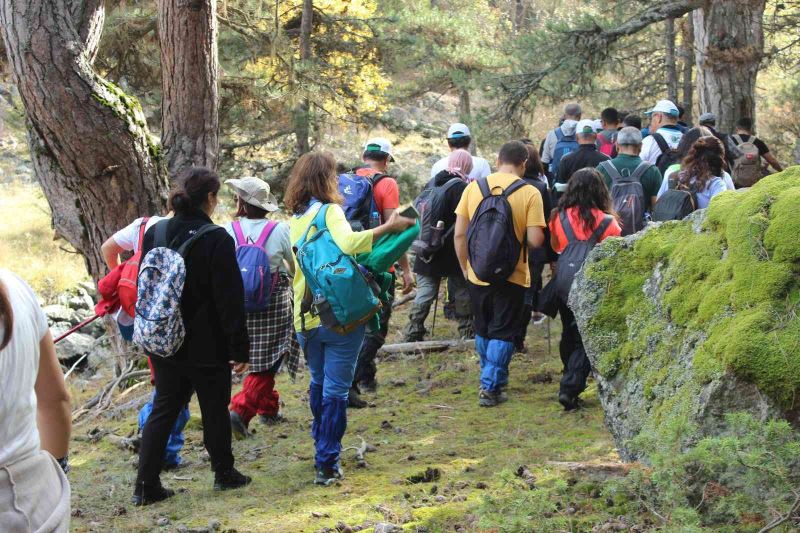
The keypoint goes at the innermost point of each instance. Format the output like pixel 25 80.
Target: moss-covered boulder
pixel 690 320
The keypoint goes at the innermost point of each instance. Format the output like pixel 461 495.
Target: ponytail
pixel 6 316
pixel 192 189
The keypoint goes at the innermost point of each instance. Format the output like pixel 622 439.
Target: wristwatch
pixel 64 463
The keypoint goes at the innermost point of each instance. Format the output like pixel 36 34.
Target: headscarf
pixel 460 162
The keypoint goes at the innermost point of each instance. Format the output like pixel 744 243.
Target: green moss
pixel 127 108
pixel 734 287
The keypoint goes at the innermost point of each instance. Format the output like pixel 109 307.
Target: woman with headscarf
pixel 445 192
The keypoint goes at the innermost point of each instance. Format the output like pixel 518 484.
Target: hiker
pixel 584 214
pixel 265 257
pixel 700 173
pixel 631 203
pixel 331 356
pixel 560 141
pixel 747 169
pixel 634 121
pixel 35 416
pixel 587 155
pixel 212 312
pixel 607 137
pixel 430 268
pixel 709 122
pixel 459 138
pixel 682 124
pixel 129 239
pixel 664 135
pixel 376 155
pixel 537 257
pixel 688 139
pixel 497 220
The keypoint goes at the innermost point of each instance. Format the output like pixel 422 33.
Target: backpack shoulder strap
pixel 265 233
pixel 186 246
pixel 661 142
pixel 142 230
pixel 450 184
pixel 514 187
pixel 559 133
pixel 237 231
pixel 613 173
pixel 160 237
pixel 641 169
pixel 483 185
pixel 567 227
pixel 737 139
pixel 601 229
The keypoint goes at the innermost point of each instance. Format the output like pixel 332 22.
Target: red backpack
pixel 606 143
pixel 129 272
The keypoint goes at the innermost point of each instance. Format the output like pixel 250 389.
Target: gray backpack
pixel 572 258
pixel 628 196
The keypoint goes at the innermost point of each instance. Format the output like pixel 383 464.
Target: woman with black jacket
pixel 212 306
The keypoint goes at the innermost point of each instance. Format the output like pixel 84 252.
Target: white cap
pixel 379 144
pixel 597 124
pixel 254 192
pixel 585 127
pixel 458 130
pixel 664 106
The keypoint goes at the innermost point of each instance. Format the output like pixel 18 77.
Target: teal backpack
pixel 337 289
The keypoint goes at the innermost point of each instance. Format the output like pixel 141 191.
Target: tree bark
pixel 465 114
pixel 729 46
pixel 302 117
pixel 687 55
pixel 669 60
pixel 95 133
pixel 187 31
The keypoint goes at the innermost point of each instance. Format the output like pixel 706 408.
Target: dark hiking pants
pixel 573 355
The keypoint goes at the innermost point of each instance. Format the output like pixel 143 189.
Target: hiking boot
pixel 354 400
pixel 569 402
pixel 272 420
pixel 521 348
pixel 238 427
pixel 326 476
pixel 487 398
pixel 230 479
pixel 148 494
pixel 502 396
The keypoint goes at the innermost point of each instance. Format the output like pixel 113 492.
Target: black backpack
pixel 628 196
pixel 572 258
pixel 431 206
pixel 492 243
pixel 675 204
pixel 668 157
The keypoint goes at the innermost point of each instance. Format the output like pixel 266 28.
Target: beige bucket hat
pixel 254 191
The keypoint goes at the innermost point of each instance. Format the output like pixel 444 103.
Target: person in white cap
pixel 271 329
pixel 664 131
pixel 459 136
pixel 587 155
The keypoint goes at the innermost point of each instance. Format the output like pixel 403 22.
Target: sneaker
pixel 148 494
pixel 238 427
pixel 230 479
pixel 567 401
pixel 487 398
pixel 326 476
pixel 272 420
pixel 354 400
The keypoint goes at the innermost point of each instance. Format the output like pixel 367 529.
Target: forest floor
pixel 484 469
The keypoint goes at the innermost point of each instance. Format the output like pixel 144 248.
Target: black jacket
pixel 213 296
pixel 445 261
pixel 545 253
pixel 586 155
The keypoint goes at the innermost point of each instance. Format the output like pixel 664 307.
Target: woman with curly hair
pixel 702 171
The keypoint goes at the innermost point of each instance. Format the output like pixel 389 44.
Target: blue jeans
pixel 176 439
pixel 331 360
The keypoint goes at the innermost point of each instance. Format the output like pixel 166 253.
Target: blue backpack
pixel 254 266
pixel 564 145
pixel 337 289
pixel 359 206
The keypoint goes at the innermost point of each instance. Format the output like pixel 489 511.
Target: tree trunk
pixel 302 118
pixel 107 162
pixel 687 55
pixel 669 60
pixel 187 31
pixel 729 46
pixel 465 114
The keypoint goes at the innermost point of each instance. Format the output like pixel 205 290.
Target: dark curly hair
pixel 586 190
pixel 704 162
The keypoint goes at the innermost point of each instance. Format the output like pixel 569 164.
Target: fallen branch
pixel 361 451
pixel 426 346
pixel 102 400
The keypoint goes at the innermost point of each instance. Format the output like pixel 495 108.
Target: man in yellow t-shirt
pixel 497 307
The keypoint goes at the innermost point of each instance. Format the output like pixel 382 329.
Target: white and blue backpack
pixel 158 327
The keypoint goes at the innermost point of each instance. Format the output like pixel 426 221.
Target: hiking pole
pixel 435 307
pixel 76 328
pixel 549 340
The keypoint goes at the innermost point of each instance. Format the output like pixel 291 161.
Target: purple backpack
pixel 254 266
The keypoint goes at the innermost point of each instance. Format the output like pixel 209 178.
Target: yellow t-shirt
pixel 351 243
pixel 527 209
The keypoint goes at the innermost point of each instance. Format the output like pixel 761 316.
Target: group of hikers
pixel 203 300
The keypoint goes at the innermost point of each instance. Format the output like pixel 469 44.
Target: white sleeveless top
pixel 19 366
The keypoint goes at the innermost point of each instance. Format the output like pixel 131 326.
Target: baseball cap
pixel 597 124
pixel 458 130
pixel 585 127
pixel 708 118
pixel 664 106
pixel 379 144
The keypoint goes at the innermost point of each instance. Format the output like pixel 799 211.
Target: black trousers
pixel 497 309
pixel 174 386
pixel 531 301
pixel 366 367
pixel 573 355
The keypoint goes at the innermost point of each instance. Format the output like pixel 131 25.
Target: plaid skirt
pixel 272 337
